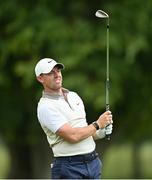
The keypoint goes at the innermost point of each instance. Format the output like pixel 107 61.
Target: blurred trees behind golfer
pixel 69 32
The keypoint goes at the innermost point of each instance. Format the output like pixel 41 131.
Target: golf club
pixel 102 14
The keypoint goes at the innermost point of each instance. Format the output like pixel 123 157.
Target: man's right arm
pixel 77 134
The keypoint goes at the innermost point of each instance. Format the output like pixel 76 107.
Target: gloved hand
pixel 101 133
pixel 108 129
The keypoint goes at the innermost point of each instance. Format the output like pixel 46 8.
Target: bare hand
pixel 105 119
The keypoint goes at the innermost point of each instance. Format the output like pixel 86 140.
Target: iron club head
pixel 101 14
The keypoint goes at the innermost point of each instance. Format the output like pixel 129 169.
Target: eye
pixel 52 72
pixel 55 71
pixel 58 70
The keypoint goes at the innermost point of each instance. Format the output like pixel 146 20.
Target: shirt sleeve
pixel 50 118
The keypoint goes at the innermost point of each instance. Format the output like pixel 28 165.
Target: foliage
pixel 69 32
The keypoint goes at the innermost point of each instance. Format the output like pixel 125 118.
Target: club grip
pixel 108 137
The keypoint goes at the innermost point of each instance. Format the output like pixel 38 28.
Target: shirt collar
pixel 54 95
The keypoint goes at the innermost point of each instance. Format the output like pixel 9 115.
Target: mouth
pixel 58 80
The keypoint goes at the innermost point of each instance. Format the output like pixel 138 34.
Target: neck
pixel 54 91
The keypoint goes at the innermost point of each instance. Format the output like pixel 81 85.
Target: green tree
pixel 69 32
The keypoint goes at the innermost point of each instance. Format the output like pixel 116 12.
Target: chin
pixel 58 87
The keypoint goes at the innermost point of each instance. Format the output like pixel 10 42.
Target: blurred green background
pixel 69 32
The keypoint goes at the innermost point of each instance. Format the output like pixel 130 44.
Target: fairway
pixel 4 161
pixel 118 161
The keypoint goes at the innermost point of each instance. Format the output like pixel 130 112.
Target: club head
pixel 101 14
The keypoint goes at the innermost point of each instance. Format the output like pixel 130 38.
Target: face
pixel 52 82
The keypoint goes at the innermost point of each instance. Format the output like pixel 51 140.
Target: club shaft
pixel 107 75
pixel 107 68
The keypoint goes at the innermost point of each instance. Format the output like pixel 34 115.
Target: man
pixel 62 116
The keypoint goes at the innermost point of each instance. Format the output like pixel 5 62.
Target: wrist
pixel 96 125
pixel 100 134
pixel 101 125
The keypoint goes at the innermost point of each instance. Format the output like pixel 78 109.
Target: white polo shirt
pixel 53 112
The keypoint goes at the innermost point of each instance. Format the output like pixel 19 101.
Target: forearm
pixel 74 135
pixel 85 132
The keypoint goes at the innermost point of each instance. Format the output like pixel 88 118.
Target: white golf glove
pixel 108 129
pixel 101 133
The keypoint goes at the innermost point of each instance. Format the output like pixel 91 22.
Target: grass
pixel 4 161
pixel 146 159
pixel 118 162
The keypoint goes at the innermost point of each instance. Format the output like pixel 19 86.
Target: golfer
pixel 62 116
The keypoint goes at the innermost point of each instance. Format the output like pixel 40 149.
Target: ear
pixel 40 79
